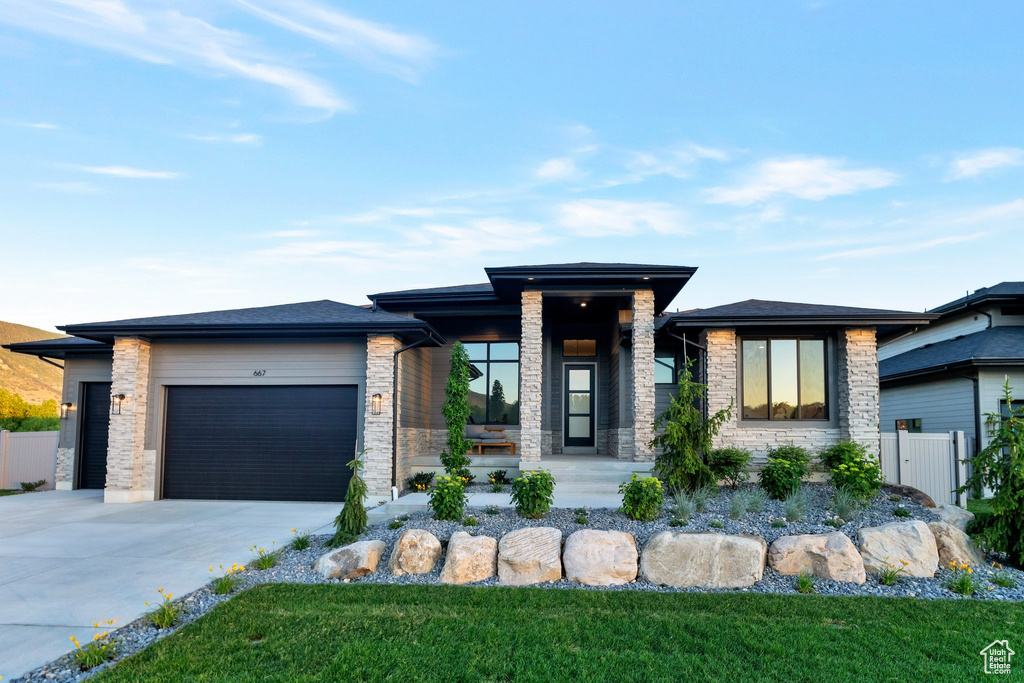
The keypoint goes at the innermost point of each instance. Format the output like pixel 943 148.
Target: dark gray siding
pixel 77 371
pixel 415 391
pixel 942 405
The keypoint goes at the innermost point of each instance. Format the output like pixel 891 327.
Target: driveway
pixel 68 560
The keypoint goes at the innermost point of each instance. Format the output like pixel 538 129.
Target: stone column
pixel 858 387
pixel 531 371
pixel 378 430
pixel 131 470
pixel 722 379
pixel 643 374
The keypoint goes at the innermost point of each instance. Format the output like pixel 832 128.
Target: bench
pixel 501 444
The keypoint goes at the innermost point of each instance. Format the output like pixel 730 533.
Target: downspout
pixel 394 411
pixel 47 360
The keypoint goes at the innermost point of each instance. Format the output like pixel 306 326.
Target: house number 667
pixel 258 373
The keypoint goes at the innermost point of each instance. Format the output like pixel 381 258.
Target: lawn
pixel 10 492
pixel 980 506
pixel 405 633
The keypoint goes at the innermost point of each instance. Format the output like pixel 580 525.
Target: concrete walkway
pixel 68 560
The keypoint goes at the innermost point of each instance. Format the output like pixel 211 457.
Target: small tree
pixel 1000 467
pixel 687 436
pixel 351 521
pixel 497 399
pixel 456 413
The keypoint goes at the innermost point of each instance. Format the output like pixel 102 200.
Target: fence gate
pixel 932 463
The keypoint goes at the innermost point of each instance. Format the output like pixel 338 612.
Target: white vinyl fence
pixel 931 463
pixel 27 456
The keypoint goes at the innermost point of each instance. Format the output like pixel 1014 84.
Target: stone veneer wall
pixel 620 443
pixel 531 371
pixel 64 479
pixel 377 429
pixel 643 374
pixel 858 388
pixel 131 470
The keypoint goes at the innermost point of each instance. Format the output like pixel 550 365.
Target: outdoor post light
pixel 115 404
pixel 65 408
pixel 375 403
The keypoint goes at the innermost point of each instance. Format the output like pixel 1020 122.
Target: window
pixel 665 366
pixel 784 379
pixel 579 348
pixel 911 426
pixel 494 395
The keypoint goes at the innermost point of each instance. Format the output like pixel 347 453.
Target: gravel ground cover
pixel 296 566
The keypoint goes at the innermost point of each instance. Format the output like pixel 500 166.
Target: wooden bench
pixel 503 444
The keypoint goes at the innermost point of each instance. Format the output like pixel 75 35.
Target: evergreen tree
pixel 497 402
pixel 456 414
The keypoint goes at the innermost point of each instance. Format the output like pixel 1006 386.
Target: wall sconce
pixel 65 409
pixel 375 402
pixel 115 403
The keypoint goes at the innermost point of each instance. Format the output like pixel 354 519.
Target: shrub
pixel 226 582
pixel 861 477
pixel 351 521
pixel 470 521
pixel 642 499
pixel 756 500
pixel 448 498
pixel 844 505
pixel 1000 467
pixel 792 453
pixel 531 493
pixel 961 580
pixel 842 452
pixel 730 465
pixel 738 505
pixel 420 481
pixel 781 477
pixel 704 495
pixel 901 512
pixel 499 477
pixel 32 485
pixel 890 573
pixel 1002 578
pixel 265 559
pixel 165 614
pixel 685 435
pixel 797 503
pixel 301 540
pixel 715 524
pixel 682 506
pixel 456 413
pixel 96 652
pixel 395 524
pixel 805 582
pixel 581 518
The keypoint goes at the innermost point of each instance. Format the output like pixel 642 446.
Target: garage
pixel 288 443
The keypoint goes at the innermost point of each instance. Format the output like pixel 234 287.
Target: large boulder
pixel 707 560
pixel 954 545
pixel 600 558
pixel 532 555
pixel 470 558
pixel 954 515
pixel 351 561
pixel 416 552
pixel 828 556
pixel 912 542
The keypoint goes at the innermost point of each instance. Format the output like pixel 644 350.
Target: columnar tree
pixel 352 519
pixel 497 400
pixel 456 413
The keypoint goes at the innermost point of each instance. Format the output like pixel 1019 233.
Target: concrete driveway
pixel 68 560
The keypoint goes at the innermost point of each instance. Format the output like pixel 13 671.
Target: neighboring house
pixel 571 360
pixel 947 376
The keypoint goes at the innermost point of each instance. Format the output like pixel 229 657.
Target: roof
pixel 1004 291
pixel 482 290
pixel 995 346
pixel 309 318
pixel 58 347
pixel 761 312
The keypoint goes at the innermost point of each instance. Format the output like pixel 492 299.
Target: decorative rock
pixel 885 545
pixel 954 545
pixel 600 558
pixel 416 552
pixel 531 555
pixel 351 561
pixel 470 558
pixel 705 560
pixel 917 496
pixel 827 556
pixel 954 515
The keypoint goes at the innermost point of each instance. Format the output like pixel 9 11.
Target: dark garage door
pixel 92 450
pixel 259 443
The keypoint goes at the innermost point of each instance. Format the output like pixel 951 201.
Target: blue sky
pixel 203 154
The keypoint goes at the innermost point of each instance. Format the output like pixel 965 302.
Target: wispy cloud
pixel 240 138
pixel 71 188
pixel 901 247
pixel 561 168
pixel 976 163
pixel 605 217
pixel 37 126
pixel 129 172
pixel 813 178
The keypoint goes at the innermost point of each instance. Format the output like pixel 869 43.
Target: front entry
pixel 94 417
pixel 578 408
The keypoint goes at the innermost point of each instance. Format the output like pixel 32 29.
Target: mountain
pixel 28 376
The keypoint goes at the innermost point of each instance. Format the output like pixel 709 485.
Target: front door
pixel 94 416
pixel 579 405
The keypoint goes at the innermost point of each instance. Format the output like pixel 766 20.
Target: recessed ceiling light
pixel 646 278
pixel 529 278
pixel 584 304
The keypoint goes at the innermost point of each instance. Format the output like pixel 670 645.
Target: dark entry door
pixel 259 442
pixel 579 405
pixel 94 412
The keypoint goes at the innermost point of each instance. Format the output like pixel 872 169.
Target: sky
pixel 171 157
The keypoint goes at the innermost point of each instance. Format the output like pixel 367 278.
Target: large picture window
pixel 784 379
pixel 494 395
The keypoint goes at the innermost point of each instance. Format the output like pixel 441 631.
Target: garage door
pixel 259 443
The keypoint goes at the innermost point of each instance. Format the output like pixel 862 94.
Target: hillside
pixel 30 377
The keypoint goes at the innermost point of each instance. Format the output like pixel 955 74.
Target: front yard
pixel 400 633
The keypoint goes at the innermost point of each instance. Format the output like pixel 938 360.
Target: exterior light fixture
pixel 115 403
pixel 583 305
pixel 646 278
pixel 375 402
pixel 529 278
pixel 65 409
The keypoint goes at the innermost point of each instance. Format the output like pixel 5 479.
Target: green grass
pixel 10 492
pixel 980 506
pixel 409 633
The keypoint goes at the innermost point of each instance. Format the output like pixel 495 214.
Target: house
pixel 572 361
pixel 948 375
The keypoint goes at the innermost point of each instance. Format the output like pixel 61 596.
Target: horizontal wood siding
pixel 78 370
pixel 943 405
pixel 615 398
pixel 936 332
pixel 991 391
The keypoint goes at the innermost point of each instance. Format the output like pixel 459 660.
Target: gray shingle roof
pixel 57 347
pixel 1006 290
pixel 479 288
pixel 992 346
pixel 758 310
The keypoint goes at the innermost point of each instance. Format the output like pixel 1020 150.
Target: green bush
pixel 32 485
pixel 642 499
pixel 861 476
pixel 531 493
pixel 30 424
pixel 730 465
pixel 420 481
pixel 781 477
pixel 792 453
pixel 351 521
pixel 842 452
pixel 448 498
